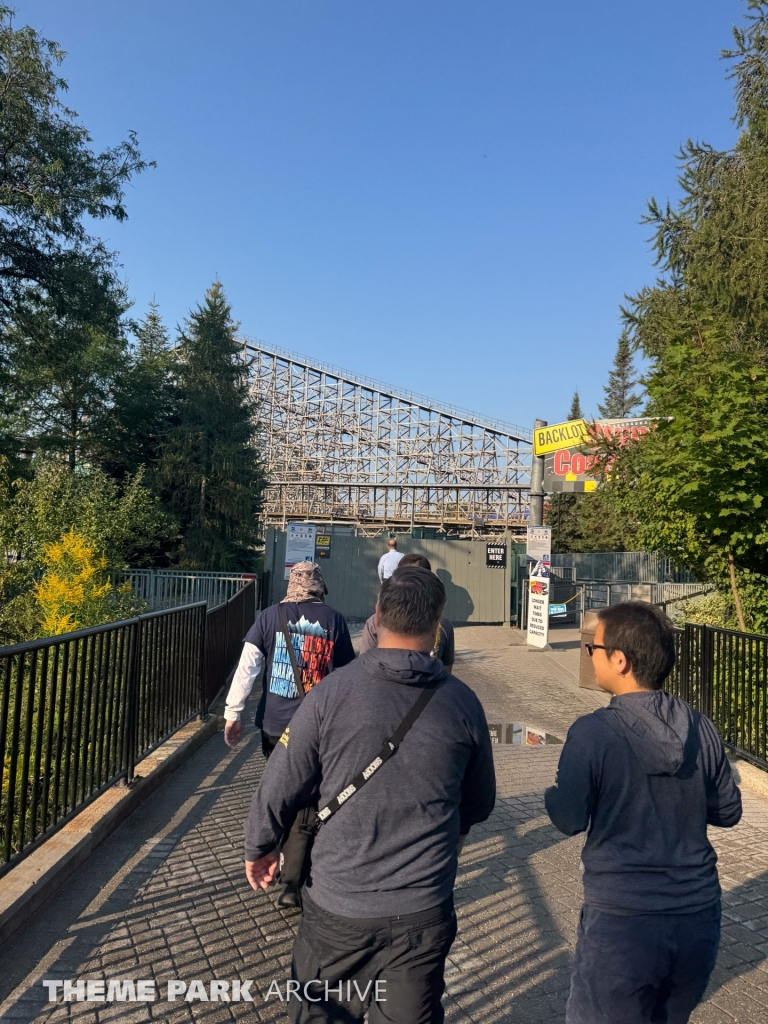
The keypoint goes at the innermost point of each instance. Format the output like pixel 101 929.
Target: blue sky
pixel 443 195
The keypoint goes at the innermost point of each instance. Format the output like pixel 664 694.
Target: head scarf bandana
pixel 306 583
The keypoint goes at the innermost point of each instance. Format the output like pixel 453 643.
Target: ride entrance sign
pixel 570 461
pixel 538 551
pixel 496 556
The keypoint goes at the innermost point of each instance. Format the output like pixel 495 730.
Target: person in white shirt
pixel 389 561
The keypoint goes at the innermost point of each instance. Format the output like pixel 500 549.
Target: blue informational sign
pixel 557 609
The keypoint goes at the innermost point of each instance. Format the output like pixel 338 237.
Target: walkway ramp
pixel 164 897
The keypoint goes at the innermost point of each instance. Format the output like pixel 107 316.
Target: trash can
pixel 586 668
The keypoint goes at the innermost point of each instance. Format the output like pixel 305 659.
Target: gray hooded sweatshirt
pixel 644 777
pixel 390 849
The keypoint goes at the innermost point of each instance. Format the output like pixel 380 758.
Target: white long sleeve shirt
pixel 245 676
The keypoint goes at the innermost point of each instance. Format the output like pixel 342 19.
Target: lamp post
pixel 536 495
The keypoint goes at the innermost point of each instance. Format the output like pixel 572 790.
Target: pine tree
pixel 620 401
pixel 65 365
pixel 151 334
pixel 210 469
pixel 575 411
pixel 143 403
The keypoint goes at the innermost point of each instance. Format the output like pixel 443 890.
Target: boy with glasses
pixel 644 777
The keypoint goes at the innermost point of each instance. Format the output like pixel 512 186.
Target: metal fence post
pixel 130 724
pixel 203 688
pixel 685 664
pixel 707 670
pixel 227 618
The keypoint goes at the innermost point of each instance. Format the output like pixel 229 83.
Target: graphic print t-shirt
pixel 320 639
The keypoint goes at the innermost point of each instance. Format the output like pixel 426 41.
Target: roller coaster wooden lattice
pixel 346 449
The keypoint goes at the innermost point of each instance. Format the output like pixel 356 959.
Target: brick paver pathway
pixel 164 896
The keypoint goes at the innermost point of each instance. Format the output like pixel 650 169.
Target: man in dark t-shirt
pixel 320 639
pixel 443 648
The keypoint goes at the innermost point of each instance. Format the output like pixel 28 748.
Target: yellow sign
pixel 561 435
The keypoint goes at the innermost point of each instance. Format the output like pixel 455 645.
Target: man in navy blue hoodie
pixel 643 777
pixel 378 917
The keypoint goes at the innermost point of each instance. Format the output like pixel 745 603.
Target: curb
pixel 749 777
pixel 32 882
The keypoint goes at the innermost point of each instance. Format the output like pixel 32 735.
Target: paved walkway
pixel 164 897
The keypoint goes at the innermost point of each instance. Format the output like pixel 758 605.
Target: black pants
pixel 645 969
pixel 268 743
pixel 405 955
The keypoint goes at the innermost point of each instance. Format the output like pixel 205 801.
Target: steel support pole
pixel 536 498
pixel 131 710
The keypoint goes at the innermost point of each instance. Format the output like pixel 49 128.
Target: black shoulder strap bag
pixel 283 617
pixel 296 851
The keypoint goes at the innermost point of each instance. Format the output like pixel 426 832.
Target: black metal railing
pixel 168 677
pixel 724 674
pixel 77 712
pixel 226 626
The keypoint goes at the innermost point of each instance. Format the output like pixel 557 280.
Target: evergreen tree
pixel 620 400
pixel 575 412
pixel 210 468
pixel 64 368
pixel 152 335
pixel 144 402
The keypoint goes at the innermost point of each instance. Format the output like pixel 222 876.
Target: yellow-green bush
pixel 75 590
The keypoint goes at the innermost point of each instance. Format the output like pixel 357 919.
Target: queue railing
pixel 159 589
pixel 724 674
pixel 78 711
pixel 227 625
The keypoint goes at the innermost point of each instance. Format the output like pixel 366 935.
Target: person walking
pixel 321 642
pixel 396 754
pixel 389 561
pixel 443 647
pixel 646 776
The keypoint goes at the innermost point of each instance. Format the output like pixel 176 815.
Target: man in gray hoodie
pixel 644 777
pixel 378 917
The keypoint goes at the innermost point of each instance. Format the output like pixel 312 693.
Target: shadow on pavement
pixel 520 950
pixel 739 949
pixel 104 896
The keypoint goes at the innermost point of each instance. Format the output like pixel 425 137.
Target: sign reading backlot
pixel 560 435
pixel 569 467
pixel 538 551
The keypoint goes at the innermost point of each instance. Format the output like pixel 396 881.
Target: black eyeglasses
pixel 591 648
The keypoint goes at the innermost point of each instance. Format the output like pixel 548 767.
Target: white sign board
pixel 538 550
pixel 299 545
pixel 539 544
